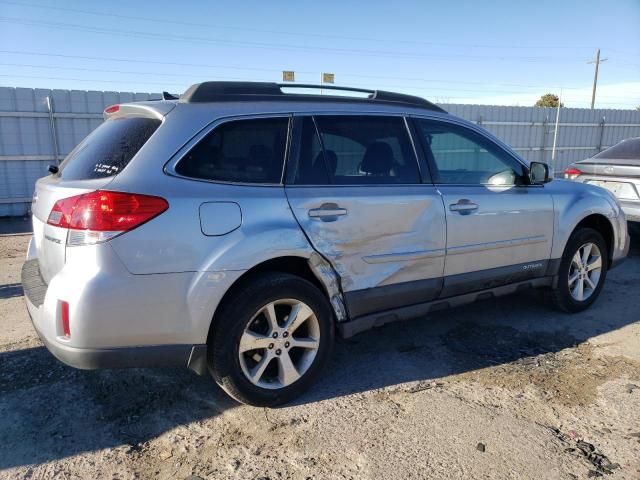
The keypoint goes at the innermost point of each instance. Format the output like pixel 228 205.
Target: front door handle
pixel 464 206
pixel 327 212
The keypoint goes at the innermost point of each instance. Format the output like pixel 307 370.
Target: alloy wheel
pixel 279 344
pixel 585 271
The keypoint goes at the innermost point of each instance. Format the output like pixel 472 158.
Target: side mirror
pixel 539 173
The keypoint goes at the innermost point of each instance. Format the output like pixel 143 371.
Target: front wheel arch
pixel 561 295
pixel 602 225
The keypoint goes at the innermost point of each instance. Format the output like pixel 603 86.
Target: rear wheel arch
pixel 254 346
pixel 293 265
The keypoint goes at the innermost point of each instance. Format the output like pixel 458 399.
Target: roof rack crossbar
pixel 242 91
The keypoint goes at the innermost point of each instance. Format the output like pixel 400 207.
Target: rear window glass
pixel 245 151
pixel 627 149
pixel 108 149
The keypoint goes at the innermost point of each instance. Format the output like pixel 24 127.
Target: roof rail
pixel 243 91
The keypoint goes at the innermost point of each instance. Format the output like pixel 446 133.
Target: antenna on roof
pixel 168 96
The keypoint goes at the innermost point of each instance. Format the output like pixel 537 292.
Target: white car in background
pixel 616 169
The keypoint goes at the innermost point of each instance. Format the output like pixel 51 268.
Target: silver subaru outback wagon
pixel 238 229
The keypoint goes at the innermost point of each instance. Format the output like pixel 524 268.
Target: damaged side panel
pixel 329 278
pixel 384 235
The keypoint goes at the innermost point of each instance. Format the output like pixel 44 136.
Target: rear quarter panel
pixel 174 241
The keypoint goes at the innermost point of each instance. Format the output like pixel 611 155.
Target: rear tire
pixel 271 338
pixel 583 269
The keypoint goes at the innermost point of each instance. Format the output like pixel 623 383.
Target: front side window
pixel 245 151
pixel 351 150
pixel 462 156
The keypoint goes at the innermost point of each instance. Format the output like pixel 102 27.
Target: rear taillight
pixel 572 173
pixel 101 215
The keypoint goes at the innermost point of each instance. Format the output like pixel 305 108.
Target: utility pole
pixel 597 61
pixel 555 131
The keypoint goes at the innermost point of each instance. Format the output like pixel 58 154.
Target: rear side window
pixel 108 149
pixel 351 150
pixel 625 150
pixel 246 151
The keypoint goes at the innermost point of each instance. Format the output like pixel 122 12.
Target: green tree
pixel 549 100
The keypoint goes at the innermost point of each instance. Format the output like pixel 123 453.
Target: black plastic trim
pixel 376 306
pixel 553 266
pixel 362 302
pixel 121 357
pixel 367 322
pixel 426 166
pixel 34 286
pixel 492 277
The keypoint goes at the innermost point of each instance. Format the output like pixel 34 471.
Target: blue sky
pixel 498 52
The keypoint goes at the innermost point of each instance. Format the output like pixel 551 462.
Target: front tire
pixel 271 338
pixel 583 269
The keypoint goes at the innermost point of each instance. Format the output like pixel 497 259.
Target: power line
pixel 93 80
pixel 141 60
pixel 101 70
pixel 182 85
pixel 280 32
pixel 342 51
pixel 235 67
pixel 194 75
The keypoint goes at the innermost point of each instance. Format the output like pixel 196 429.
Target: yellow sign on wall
pixel 328 78
pixel 288 76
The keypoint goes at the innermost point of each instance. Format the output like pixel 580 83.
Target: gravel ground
pixel 499 389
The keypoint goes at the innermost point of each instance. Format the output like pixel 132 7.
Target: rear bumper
pixel 122 357
pixel 42 305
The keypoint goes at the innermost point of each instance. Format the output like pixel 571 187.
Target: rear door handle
pixel 327 212
pixel 464 206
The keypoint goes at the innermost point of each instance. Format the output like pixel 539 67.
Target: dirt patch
pixel 569 376
pixel 499 389
pixel 14 246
